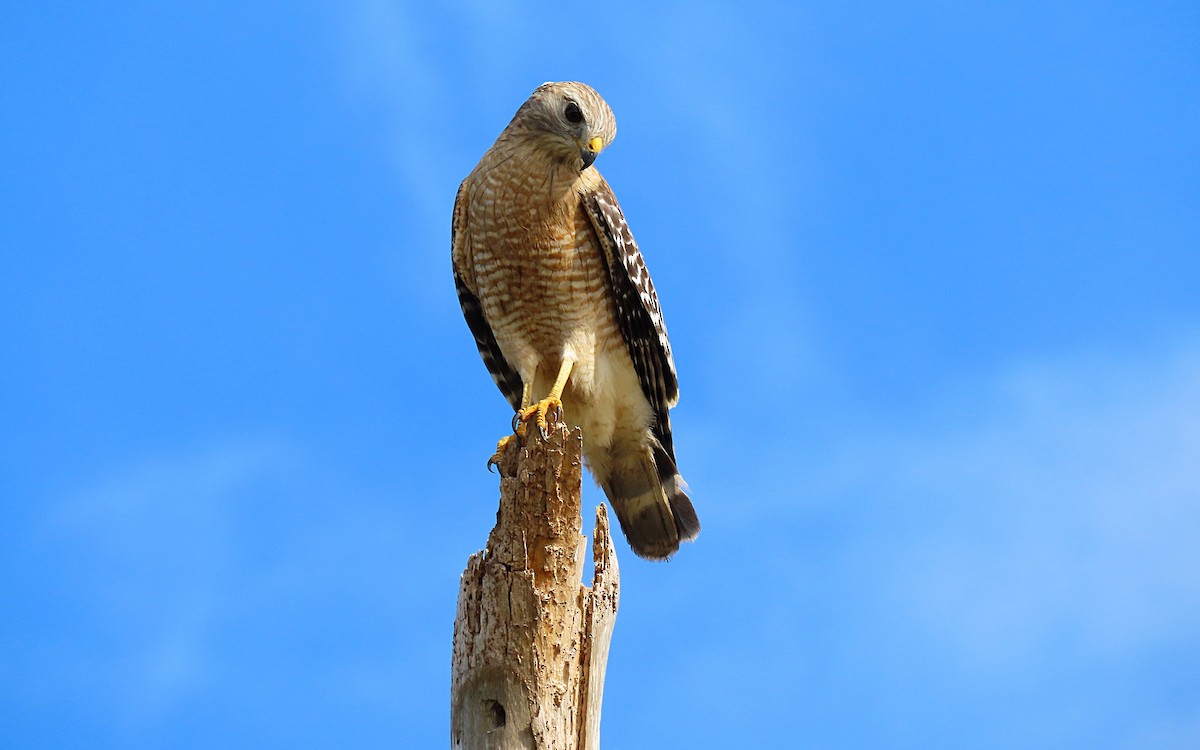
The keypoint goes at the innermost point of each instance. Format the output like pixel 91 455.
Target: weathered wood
pixel 530 640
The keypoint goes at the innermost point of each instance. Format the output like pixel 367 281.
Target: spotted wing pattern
pixel 637 309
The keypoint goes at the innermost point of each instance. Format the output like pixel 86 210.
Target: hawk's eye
pixel 573 113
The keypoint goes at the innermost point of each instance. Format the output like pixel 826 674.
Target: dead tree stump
pixel 530 640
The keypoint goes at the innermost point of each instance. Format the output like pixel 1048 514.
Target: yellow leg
pixel 564 372
pixel 552 401
pixel 529 409
pixel 526 399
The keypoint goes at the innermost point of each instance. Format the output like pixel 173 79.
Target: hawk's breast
pixel 539 275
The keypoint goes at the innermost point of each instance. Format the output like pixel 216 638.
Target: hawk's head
pixel 570 119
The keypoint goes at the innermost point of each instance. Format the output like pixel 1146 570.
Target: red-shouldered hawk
pixel 559 300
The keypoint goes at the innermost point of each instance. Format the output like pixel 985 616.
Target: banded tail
pixel 651 501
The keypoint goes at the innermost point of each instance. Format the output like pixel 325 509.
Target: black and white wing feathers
pixel 637 309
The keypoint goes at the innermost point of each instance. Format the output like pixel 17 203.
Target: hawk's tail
pixel 651 502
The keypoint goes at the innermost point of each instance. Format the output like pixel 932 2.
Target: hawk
pixel 560 303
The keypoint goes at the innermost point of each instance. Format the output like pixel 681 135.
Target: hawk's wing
pixel 636 304
pixel 507 379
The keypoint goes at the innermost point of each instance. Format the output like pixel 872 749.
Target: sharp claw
pixel 543 416
pixel 501 447
pixel 540 412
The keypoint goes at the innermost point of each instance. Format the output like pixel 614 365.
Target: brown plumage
pixel 552 283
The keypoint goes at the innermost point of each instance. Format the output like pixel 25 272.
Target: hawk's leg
pixel 551 401
pixel 518 427
pixel 526 400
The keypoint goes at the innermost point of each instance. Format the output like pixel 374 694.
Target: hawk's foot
pixel 500 448
pixel 541 410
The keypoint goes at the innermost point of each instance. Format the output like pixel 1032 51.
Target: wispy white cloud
pixel 1069 512
pixel 1051 512
pixel 1167 733
pixel 394 70
pixel 1031 534
pixel 741 171
pixel 390 67
pixel 156 550
pixel 200 575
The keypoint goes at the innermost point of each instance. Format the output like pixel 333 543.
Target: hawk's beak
pixel 590 150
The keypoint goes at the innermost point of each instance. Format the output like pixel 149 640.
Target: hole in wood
pixel 495 709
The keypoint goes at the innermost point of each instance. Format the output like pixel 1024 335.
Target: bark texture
pixel 530 640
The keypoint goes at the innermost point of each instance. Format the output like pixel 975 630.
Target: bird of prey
pixel 558 298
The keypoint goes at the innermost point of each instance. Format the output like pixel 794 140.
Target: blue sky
pixel 931 276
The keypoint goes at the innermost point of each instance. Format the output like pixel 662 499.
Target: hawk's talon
pixel 541 411
pixel 518 423
pixel 500 448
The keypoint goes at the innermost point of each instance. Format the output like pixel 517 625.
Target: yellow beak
pixel 590 150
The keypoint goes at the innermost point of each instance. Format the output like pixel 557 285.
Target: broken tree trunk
pixel 530 640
